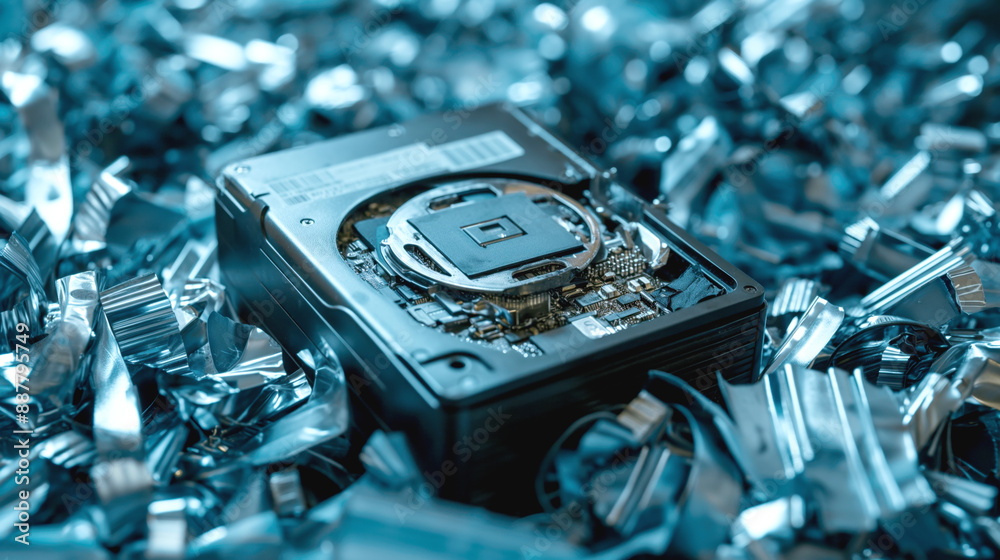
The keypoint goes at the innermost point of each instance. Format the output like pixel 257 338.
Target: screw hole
pixel 307 221
pixel 457 363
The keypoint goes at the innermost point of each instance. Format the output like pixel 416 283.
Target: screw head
pixel 307 221
pixel 241 169
pixel 750 289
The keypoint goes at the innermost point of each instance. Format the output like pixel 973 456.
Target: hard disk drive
pixel 483 284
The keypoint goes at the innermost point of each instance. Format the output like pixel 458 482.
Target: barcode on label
pixel 397 166
pixel 481 150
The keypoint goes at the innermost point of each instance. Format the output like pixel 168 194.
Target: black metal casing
pixel 479 420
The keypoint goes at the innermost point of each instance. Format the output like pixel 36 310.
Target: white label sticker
pixel 592 328
pixel 397 166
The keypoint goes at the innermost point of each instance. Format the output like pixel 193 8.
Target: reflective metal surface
pixel 843 153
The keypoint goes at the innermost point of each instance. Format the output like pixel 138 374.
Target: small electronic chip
pixel 639 284
pixel 588 299
pixel 628 313
pixel 628 299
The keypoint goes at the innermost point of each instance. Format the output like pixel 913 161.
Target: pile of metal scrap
pixel 843 153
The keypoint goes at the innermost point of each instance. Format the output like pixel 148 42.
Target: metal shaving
pixel 845 154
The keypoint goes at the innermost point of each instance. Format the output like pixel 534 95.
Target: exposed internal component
pixel 502 262
pixel 497 237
